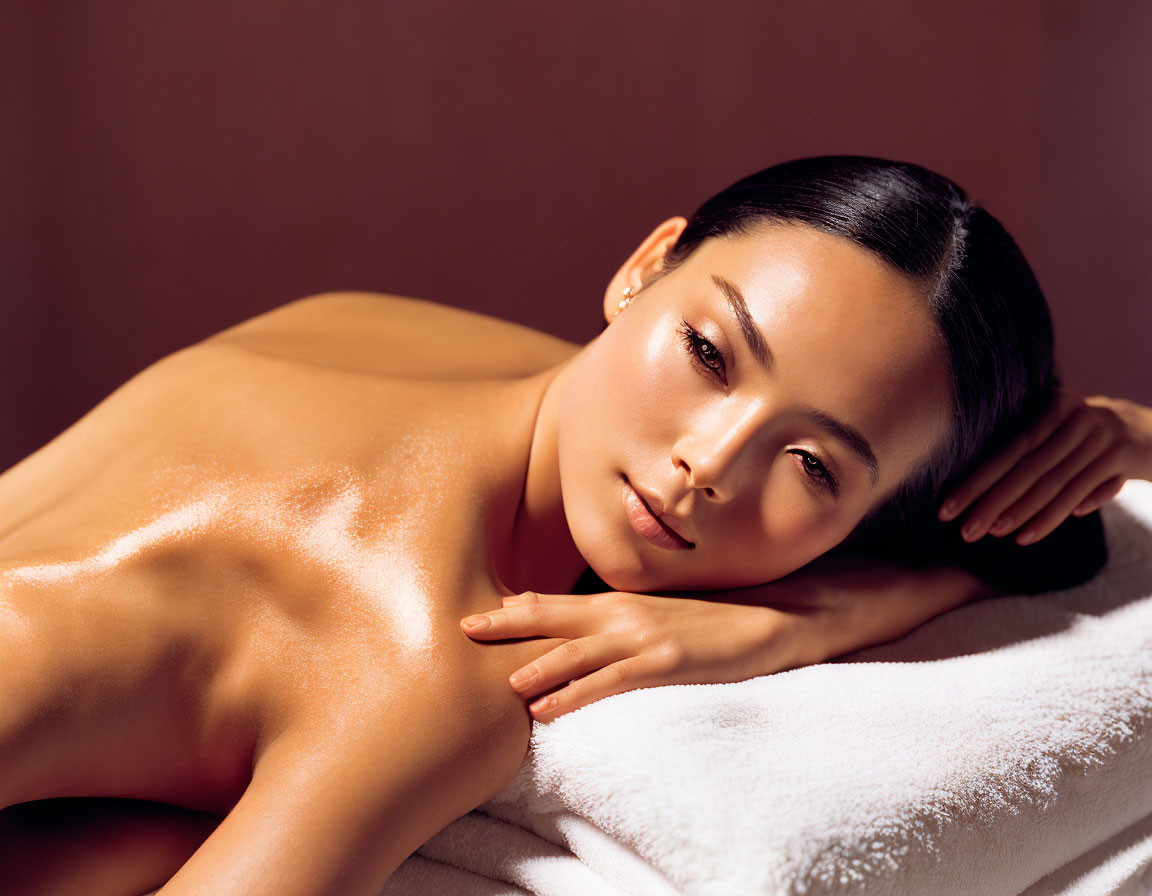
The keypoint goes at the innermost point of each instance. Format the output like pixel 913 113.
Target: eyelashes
pixel 814 468
pixel 703 353
pixel 709 360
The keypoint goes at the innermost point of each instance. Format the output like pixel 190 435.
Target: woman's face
pixel 761 399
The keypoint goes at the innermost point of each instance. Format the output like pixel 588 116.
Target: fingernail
pixel 544 704
pixel 477 623
pixel 1002 524
pixel 971 529
pixel 1026 537
pixel 523 677
pixel 949 509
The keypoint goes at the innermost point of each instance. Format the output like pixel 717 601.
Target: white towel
pixel 1121 866
pixel 975 755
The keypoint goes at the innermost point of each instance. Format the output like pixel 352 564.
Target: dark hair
pixel 982 293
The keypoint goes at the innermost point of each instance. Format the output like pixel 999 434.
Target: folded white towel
pixel 973 756
pixel 1121 866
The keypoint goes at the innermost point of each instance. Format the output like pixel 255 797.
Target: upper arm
pixel 299 829
pixel 343 795
pixel 331 819
pixel 271 842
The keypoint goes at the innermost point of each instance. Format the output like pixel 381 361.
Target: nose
pixel 715 453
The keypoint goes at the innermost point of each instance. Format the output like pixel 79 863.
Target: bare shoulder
pixel 339 775
pixel 398 336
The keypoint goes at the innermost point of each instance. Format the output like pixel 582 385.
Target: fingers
pixel 535 597
pixel 562 664
pixel 593 663
pixel 1073 461
pixel 626 674
pixel 564 667
pixel 1037 478
pixel 567 662
pixel 1100 496
pixel 991 472
pixel 553 618
pixel 1055 481
pixel 1051 514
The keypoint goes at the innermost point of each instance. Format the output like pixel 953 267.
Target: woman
pixel 236 586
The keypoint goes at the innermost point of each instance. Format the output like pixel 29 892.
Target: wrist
pixel 1137 418
pixel 784 642
pixel 789 621
pixel 861 603
pixel 1142 423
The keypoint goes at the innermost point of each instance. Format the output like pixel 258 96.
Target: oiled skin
pixel 252 559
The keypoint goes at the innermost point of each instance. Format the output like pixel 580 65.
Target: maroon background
pixel 168 169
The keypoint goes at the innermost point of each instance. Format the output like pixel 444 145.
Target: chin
pixel 630 583
pixel 618 558
pixel 646 581
pixel 619 567
pixel 628 572
pixel 618 571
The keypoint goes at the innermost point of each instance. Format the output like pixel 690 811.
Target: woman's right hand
pixel 1072 461
pixel 617 641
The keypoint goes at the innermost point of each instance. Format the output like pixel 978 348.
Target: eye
pixel 704 354
pixel 815 469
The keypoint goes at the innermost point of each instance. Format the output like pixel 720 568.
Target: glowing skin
pixel 847 337
pixel 252 559
pixel 256 554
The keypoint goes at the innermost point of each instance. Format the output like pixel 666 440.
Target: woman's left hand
pixel 1073 460
pixel 619 642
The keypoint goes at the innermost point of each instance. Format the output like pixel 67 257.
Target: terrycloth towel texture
pixel 976 755
pixel 1121 866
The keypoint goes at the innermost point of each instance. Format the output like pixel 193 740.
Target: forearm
pixel 617 641
pixel 842 604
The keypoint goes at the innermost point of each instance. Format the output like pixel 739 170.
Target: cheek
pixel 640 385
pixel 604 416
pixel 663 389
pixel 798 526
pixel 652 372
pixel 792 527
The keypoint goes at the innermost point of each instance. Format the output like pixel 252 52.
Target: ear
pixel 643 264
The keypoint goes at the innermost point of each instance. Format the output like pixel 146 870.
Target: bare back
pixel 275 530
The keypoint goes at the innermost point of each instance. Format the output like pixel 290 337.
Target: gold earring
pixel 625 302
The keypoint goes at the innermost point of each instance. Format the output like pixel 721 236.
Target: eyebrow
pixel 849 436
pixel 752 335
pixel 846 434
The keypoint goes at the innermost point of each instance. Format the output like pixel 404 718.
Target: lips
pixel 649 526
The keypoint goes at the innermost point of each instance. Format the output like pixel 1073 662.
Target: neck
pixel 542 555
